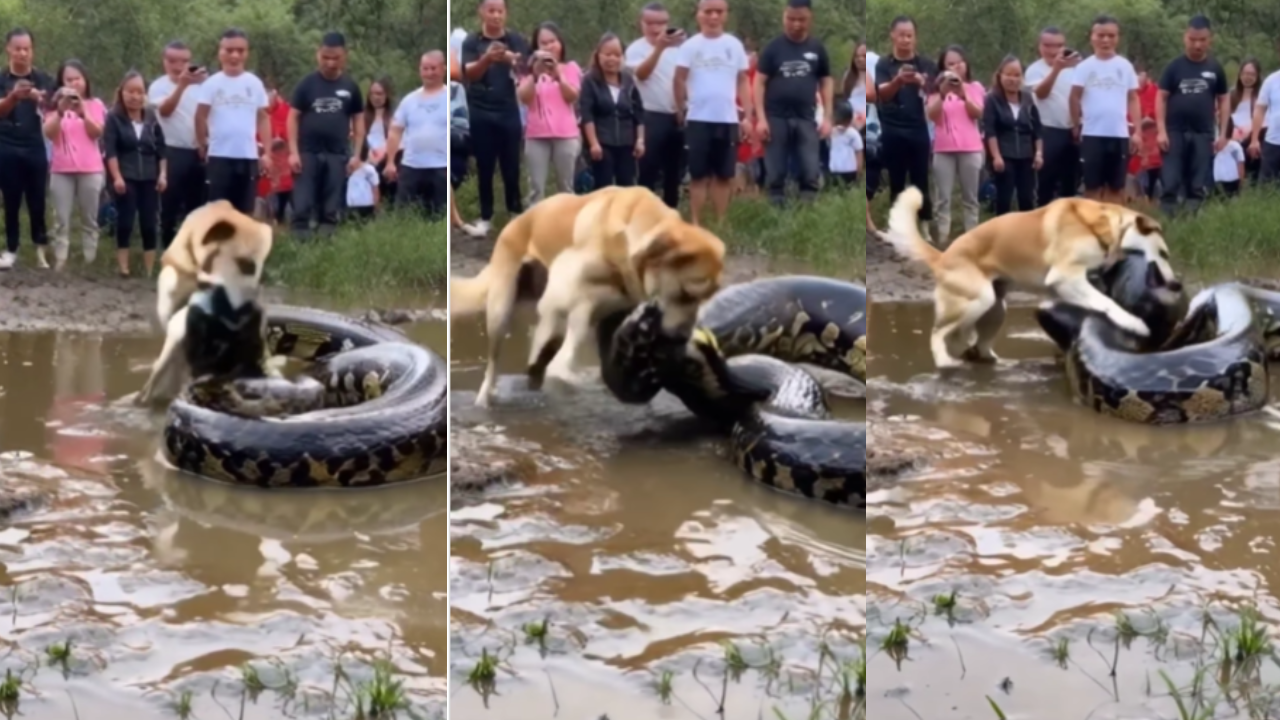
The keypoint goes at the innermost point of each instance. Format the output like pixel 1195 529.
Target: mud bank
pixel 892 279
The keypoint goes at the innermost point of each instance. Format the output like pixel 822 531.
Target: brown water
pixel 644 547
pixel 1046 519
pixel 168 584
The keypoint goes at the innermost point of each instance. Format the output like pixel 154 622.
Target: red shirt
pixel 280 179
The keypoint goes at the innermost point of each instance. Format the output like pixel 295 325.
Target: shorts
pixel 713 150
pixel 1106 162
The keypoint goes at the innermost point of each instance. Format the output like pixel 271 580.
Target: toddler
pixel 362 191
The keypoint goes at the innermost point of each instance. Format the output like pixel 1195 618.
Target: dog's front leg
pixel 167 374
pixel 1073 286
pixel 578 333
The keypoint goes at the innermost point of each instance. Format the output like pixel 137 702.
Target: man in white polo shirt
pixel 174 97
pixel 1049 82
pixel 653 59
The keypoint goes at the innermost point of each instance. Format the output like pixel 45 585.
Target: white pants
pixel 72 191
pixel 948 168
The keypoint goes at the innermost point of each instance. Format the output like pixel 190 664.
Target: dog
pixel 216 245
pixel 518 271
pixel 628 247
pixel 1053 248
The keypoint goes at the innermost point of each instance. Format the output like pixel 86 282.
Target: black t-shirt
pixel 495 92
pixel 23 129
pixel 905 111
pixel 325 108
pixel 1194 89
pixel 795 71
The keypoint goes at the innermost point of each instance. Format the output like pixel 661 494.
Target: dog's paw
pixel 1130 323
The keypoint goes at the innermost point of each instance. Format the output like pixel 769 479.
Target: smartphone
pixel 908 68
pixel 673 31
pixel 193 69
pixel 1068 53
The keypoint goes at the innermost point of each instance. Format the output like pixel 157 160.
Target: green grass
pixel 821 235
pixel 398 253
pixel 1227 238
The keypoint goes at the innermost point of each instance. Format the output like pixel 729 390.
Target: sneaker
pixel 477 229
pixel 7 259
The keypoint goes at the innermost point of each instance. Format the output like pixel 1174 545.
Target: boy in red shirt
pixel 276 187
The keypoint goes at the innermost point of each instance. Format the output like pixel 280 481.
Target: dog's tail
pixel 904 228
pixel 470 296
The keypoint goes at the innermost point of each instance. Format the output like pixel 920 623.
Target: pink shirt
pixel 550 117
pixel 955 131
pixel 74 151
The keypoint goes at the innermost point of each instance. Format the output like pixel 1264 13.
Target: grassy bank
pixel 398 253
pixel 1227 238
pixel 821 235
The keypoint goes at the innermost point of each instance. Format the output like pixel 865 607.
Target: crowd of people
pixel 143 155
pixel 668 106
pixel 1068 123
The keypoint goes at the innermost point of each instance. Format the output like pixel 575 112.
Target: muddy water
pixel 1047 519
pixel 645 548
pixel 167 584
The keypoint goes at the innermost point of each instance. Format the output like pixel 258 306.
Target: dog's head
pixel 222 244
pixel 1143 234
pixel 681 266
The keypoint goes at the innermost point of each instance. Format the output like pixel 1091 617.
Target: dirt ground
pixel 41 300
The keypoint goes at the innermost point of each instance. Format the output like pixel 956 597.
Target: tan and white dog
pixel 1051 248
pixel 216 245
pixel 621 249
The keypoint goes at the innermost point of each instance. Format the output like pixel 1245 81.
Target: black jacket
pixel 139 158
pixel 1016 137
pixel 615 122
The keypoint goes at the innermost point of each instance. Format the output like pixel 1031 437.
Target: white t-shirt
pixel 376 139
pixel 846 143
pixel 1055 110
pixel 657 92
pixel 233 103
pixel 1226 164
pixel 1269 97
pixel 1104 105
pixel 455 44
pixel 1242 116
pixel 360 186
pixel 425 119
pixel 712 87
pixel 179 128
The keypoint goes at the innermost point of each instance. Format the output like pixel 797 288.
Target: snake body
pixel 371 410
pixel 736 370
pixel 1211 365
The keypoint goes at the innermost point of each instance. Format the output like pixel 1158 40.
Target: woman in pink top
pixel 550 92
pixel 955 107
pixel 73 124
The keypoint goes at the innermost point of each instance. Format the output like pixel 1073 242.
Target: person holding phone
pixel 903 78
pixel 1104 95
pixel 491 59
pixel 175 96
pixel 74 125
pixel 550 90
pixel 23 154
pixel 652 59
pixel 1049 80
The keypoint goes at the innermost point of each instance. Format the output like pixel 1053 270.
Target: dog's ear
pixel 653 248
pixel 1147 225
pixel 219 232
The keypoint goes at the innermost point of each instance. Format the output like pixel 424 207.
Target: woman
pixel 489 59
pixel 955 106
pixel 134 147
pixel 1248 83
pixel 1012 129
pixel 612 115
pixel 377 118
pixel 901 78
pixel 73 126
pixel 549 92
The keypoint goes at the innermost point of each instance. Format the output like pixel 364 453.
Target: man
pixel 710 79
pixel 1266 115
pixel 175 97
pixel 326 138
pixel 1193 98
pixel 906 146
pixel 230 117
pixel 421 128
pixel 24 160
pixel 1104 95
pixel 653 59
pixel 793 70
pixel 1049 82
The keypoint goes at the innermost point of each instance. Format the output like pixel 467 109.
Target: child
pixel 363 196
pixel 846 147
pixel 1228 165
